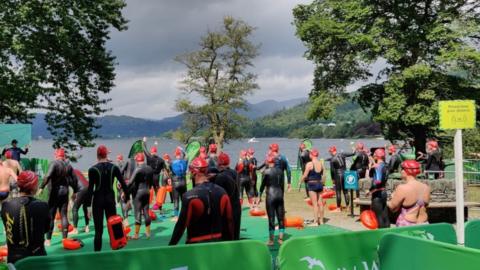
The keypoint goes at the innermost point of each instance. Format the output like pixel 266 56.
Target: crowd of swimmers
pixel 211 210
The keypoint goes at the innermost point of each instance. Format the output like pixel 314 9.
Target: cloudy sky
pixel 147 76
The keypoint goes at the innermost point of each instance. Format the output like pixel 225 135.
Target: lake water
pixel 288 147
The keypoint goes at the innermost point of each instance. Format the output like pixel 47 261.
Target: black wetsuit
pixel 379 177
pixel 16 152
pixel 157 164
pixel 304 158
pixel 80 187
pixel 26 220
pixel 434 163
pixel 127 171
pixel 206 214
pixel 139 187
pixel 394 163
pixel 179 181
pixel 243 169
pixel 225 180
pixel 282 163
pixel 253 176
pixel 360 165
pixel 58 175
pixel 212 162
pixel 101 178
pixel 337 170
pixel 274 180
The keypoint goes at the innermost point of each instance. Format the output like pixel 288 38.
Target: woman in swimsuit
pixel 314 177
pixel 411 198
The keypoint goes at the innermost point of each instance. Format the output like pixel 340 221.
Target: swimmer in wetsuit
pixel 58 176
pixel 212 159
pixel 243 170
pixel 252 168
pixel 26 220
pixel 166 177
pixel 80 199
pixel 139 187
pixel 226 178
pixel 274 181
pixel 360 163
pixel 206 210
pixel 158 165
pixel 314 177
pixel 101 177
pixel 7 176
pixel 179 179
pixel 379 176
pixel 411 197
pixel 304 158
pixel 337 171
pixel 395 160
pixel 125 203
pixel 434 160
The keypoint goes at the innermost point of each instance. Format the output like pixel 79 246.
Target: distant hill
pixel 127 126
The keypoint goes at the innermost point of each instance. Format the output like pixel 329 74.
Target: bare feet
pixel 87 229
pixel 74 231
pixel 270 242
pixel 47 243
pixel 337 210
pixel 280 241
pixel 134 237
pixel 313 225
pixel 147 235
pixel 174 219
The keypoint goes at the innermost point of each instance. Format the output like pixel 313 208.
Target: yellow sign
pixel 457 114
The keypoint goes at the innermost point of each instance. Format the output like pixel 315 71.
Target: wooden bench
pixel 437 211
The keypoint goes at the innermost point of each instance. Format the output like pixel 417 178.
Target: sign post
pixel 351 183
pixel 458 114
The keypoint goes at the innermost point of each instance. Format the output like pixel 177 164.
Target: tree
pixel 219 73
pixel 430 49
pixel 53 58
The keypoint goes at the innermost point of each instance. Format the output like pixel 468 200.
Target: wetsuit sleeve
pixel 48 177
pixel 74 183
pixel 287 168
pixel 181 223
pixel 118 175
pixel 145 151
pixel 92 179
pixel 226 207
pixel 348 154
pixel 132 180
pixel 261 166
pixel 262 185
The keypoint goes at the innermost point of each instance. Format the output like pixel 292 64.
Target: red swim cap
pixel 178 151
pixel 302 146
pixel 243 153
pixel 153 150
pixel 411 167
pixel 139 157
pixel 223 159
pixel 120 157
pixel 212 148
pixel 102 151
pixel 198 165
pixel 203 149
pixel 433 144
pixel 8 154
pixel 314 153
pixel 27 181
pixel 392 149
pixel 379 153
pixel 251 151
pixel 274 147
pixel 60 153
pixel 166 157
pixel 332 149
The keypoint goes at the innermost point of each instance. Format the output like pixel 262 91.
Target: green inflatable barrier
pixel 350 250
pixel 409 253
pixel 472 234
pixel 240 255
pixel 192 150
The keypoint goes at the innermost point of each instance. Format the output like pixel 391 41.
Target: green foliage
pixel 53 58
pixel 219 73
pixel 351 121
pixel 430 49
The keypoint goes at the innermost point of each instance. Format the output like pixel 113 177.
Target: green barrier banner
pixel 21 132
pixel 472 234
pixel 351 250
pixel 240 255
pixel 137 147
pixel 408 253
